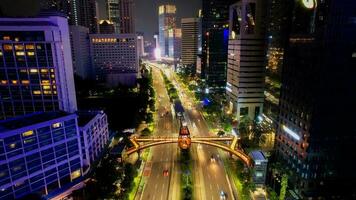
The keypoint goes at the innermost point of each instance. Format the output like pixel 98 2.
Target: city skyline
pixel 230 99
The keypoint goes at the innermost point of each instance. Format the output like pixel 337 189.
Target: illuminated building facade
pixel 316 132
pixel 189 47
pixel 127 16
pixel 166 24
pixel 36 72
pixel 113 11
pixel 247 58
pixel 94 136
pixel 215 35
pixel 114 58
pixel 40 153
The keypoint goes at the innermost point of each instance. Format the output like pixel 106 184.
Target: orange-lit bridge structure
pixel 140 143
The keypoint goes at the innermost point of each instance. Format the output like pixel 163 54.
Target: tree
pixel 284 185
pixel 146 132
pixel 221 133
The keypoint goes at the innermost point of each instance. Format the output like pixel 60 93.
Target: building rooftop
pixel 30 119
pixel 258 156
pixel 84 117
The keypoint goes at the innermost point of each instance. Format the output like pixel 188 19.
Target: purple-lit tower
pixel 36 72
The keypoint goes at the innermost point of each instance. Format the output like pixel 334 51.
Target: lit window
pixel 6 38
pixel 19 47
pixel 47 92
pixel 20 53
pixel 25 82
pixel 44 70
pixel 46 87
pixel 23 70
pixel 17 39
pixel 14 82
pixel 33 70
pixel 45 82
pixel 4 82
pixel 36 92
pixel 30 46
pixel 30 53
pixel 54 92
pixel 51 70
pixel 354 54
pixel 57 125
pixel 38 47
pixel 0 53
pixel 7 47
pixel 27 133
pixel 13 145
pixel 75 174
pixel 52 75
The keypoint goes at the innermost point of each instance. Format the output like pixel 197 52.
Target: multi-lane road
pixel 209 177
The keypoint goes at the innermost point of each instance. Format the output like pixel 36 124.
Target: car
pixel 212 158
pixel 222 195
pixel 165 172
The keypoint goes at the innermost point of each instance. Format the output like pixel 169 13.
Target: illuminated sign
pixel 291 133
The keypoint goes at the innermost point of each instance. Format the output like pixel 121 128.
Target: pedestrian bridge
pixel 228 144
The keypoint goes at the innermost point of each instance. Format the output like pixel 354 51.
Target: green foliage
pixel 284 185
pixel 146 132
pixel 272 195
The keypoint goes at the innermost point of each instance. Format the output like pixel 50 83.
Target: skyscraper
pixel 140 45
pixel 113 11
pixel 127 16
pixel 189 41
pixel 36 71
pixel 166 23
pixel 215 17
pixel 79 38
pixel 316 132
pixel 247 57
pixel 79 12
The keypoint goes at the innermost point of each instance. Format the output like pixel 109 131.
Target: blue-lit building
pixel 36 71
pixel 94 136
pixel 39 153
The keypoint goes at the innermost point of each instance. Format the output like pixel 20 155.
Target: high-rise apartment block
pixel 114 58
pixel 247 57
pixel 36 72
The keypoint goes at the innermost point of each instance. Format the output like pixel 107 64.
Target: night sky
pixel 147 13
